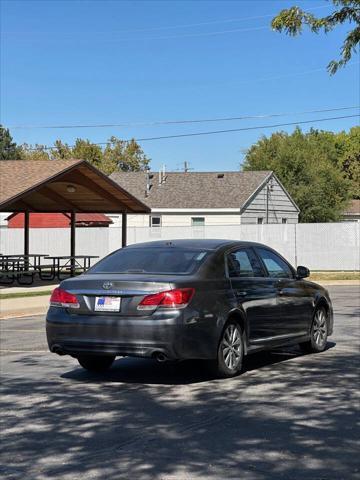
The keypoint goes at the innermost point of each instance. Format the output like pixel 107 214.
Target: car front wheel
pixel 96 363
pixel 230 351
pixel 318 334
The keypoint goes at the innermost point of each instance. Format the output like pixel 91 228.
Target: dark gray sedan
pixel 188 299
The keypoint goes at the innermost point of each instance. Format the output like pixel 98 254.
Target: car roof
pixel 206 244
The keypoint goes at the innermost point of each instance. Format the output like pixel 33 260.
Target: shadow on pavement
pixel 287 417
pixel 148 371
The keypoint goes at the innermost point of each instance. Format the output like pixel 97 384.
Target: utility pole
pixel 187 167
pixel 269 187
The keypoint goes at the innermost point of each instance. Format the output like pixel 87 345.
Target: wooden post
pixel 26 238
pixel 72 241
pixel 124 230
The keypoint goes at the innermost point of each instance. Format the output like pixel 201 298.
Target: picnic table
pixel 20 267
pixel 34 259
pixel 23 268
pixel 70 263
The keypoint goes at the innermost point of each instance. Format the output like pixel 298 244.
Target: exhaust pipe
pixel 160 357
pixel 57 349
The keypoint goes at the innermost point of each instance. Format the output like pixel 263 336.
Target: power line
pixel 188 35
pixel 177 122
pixel 182 35
pixel 199 34
pixel 215 132
pixel 214 22
pixel 167 27
pixel 286 75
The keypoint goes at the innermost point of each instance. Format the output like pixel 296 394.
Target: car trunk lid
pixel 131 289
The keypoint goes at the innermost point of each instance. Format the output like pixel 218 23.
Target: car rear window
pixel 151 260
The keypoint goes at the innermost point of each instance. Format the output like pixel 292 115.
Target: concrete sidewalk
pixel 27 305
pixel 38 288
pixel 23 306
pixel 344 283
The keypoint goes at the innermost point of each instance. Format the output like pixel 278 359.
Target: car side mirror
pixel 302 272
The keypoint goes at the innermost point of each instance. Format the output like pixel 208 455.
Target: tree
pixel 293 19
pixel 125 156
pixel 36 152
pixel 8 149
pixel 85 150
pixel 308 166
pixel 349 158
pixel 61 151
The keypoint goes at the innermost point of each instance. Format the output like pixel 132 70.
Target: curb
pixel 338 283
pixel 15 315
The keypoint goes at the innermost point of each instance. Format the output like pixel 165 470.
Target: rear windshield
pixel 151 260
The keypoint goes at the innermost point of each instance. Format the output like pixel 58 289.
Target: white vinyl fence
pixel 319 246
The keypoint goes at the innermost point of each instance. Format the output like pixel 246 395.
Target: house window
pixel 197 221
pixel 155 221
pixel 260 220
pixel 284 220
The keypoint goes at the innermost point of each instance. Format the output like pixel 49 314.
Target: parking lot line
pixel 23 351
pixel 22 331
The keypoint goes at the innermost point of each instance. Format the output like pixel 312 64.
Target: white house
pixel 208 198
pixel 352 212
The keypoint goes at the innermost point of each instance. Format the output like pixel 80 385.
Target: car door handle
pixel 240 293
pixel 281 291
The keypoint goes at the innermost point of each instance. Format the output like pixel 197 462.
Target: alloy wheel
pixel 231 346
pixel 320 327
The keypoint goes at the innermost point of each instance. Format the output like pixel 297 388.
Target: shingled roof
pixel 43 186
pixel 18 176
pixel 195 190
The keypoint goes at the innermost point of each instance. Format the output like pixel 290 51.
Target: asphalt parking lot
pixel 288 416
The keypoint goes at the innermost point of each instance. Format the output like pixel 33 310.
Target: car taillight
pixel 62 298
pixel 178 298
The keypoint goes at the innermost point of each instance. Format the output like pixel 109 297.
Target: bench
pixel 7 277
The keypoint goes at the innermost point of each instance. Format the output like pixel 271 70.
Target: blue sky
pixel 101 62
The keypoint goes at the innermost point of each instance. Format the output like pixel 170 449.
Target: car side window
pixel 243 263
pixel 275 265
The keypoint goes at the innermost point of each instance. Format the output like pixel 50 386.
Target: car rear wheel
pixel 230 351
pixel 96 363
pixel 318 334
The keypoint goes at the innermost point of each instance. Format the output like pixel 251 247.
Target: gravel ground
pixel 288 416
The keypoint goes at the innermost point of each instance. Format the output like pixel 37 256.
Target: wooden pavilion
pixel 71 186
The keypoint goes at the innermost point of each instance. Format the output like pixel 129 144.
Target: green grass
pixel 335 275
pixel 4 296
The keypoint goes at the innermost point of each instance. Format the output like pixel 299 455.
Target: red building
pixel 58 220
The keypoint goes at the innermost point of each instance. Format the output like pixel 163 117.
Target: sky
pixel 117 62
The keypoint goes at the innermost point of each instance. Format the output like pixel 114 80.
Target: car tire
pixel 230 351
pixel 318 333
pixel 96 363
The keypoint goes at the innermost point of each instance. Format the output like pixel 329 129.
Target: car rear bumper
pixel 170 335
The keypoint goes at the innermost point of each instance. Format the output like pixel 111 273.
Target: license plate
pixel 107 304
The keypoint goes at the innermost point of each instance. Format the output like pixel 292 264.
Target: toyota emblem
pixel 107 285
